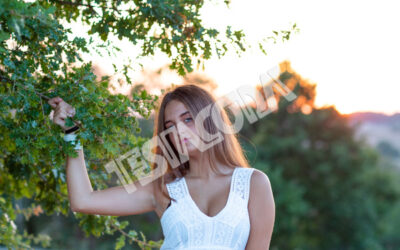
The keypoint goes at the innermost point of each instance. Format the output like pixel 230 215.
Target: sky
pixel 350 49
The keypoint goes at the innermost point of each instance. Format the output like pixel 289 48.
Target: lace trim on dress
pixel 242 183
pixel 176 189
pixel 185 227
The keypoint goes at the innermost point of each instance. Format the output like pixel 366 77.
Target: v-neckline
pixel 227 201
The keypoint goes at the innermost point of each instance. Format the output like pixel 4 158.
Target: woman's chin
pixel 191 149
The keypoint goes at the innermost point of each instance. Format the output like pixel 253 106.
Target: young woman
pixel 214 200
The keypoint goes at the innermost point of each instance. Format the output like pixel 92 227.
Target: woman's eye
pixel 188 119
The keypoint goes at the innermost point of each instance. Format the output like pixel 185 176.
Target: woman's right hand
pixel 62 110
pixel 114 201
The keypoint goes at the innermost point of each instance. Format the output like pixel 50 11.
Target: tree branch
pixel 129 236
pixel 6 79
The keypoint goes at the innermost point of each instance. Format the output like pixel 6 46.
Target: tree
pixel 331 191
pixel 40 59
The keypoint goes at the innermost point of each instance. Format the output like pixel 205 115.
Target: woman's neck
pixel 200 167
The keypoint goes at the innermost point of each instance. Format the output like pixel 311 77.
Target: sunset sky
pixel 350 49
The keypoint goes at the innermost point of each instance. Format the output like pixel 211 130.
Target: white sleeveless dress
pixel 185 226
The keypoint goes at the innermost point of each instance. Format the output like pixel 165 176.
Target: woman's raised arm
pixel 111 201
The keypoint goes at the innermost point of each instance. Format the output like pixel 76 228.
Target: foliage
pixel 41 59
pixel 38 61
pixel 171 27
pixel 332 191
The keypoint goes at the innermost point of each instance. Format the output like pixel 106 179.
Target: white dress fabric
pixel 185 226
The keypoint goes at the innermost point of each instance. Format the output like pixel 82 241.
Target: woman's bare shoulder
pixel 160 193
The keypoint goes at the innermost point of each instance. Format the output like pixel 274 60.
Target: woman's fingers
pixel 62 110
pixel 70 111
pixel 59 117
pixel 62 114
pixel 55 101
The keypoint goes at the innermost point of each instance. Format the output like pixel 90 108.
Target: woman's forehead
pixel 174 109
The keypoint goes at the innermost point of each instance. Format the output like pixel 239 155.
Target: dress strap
pixel 176 189
pixel 241 184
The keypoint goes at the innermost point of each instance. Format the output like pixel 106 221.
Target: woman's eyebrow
pixel 184 113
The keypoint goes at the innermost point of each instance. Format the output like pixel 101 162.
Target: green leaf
pixel 120 243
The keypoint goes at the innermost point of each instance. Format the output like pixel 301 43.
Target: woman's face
pixel 176 114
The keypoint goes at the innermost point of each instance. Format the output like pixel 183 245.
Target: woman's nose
pixel 181 130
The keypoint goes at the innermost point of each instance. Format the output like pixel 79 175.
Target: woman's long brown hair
pixel 228 151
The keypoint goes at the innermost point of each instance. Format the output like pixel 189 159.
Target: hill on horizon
pixel 379 130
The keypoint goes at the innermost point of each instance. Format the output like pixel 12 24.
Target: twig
pixel 15 83
pixel 40 94
pixel 127 235
pixel 41 104
pixel 45 180
pixel 77 4
pixel 72 3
